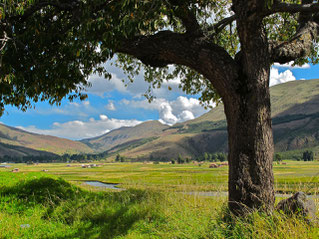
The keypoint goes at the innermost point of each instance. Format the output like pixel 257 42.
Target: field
pixel 291 177
pixel 57 203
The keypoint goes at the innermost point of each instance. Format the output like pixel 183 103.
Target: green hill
pixel 295 112
pixel 16 142
pixel 124 135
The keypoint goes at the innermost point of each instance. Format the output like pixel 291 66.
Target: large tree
pixel 220 48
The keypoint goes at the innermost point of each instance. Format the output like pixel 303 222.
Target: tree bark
pixel 248 116
pixel 250 151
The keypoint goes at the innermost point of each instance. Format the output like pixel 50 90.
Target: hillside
pixel 295 97
pixel 148 129
pixel 17 142
pixel 18 151
pixel 295 112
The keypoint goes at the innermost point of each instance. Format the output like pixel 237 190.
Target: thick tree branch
pixel 293 8
pixel 300 45
pixel 200 54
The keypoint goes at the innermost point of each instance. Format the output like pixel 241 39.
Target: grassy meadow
pixel 57 203
pixel 289 177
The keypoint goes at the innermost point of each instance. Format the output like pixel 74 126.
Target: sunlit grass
pixel 292 177
pixel 33 206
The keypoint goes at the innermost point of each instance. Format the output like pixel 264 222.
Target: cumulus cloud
pixel 279 78
pixel 290 65
pixel 171 112
pixel 83 129
pixel 166 114
pixel 186 115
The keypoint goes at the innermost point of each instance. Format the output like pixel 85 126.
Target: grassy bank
pixel 34 205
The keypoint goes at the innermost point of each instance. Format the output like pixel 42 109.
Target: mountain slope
pixel 293 97
pixel 33 143
pixel 295 112
pixel 124 135
pixel 19 151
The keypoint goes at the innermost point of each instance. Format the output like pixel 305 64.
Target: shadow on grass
pixel 108 215
pixel 89 214
pixel 108 225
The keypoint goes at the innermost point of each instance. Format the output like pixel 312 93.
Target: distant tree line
pixel 119 158
pixel 27 159
pixel 206 157
pixel 308 156
pixel 53 158
pixel 278 158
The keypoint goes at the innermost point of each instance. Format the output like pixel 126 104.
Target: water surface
pixel 102 185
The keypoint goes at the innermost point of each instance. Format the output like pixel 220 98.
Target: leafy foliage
pixel 278 157
pixel 307 155
pixel 48 50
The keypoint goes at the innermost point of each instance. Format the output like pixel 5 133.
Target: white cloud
pixel 166 114
pixel 171 112
pixel 290 65
pixel 104 117
pixel 80 105
pixel 79 109
pixel 186 115
pixel 83 129
pixel 279 78
pixel 100 85
pixel 110 106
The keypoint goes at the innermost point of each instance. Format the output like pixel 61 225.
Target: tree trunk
pixel 248 114
pixel 250 146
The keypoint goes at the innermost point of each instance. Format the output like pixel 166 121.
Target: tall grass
pixel 44 207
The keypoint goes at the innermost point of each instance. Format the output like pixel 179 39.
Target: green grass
pixel 37 206
pixel 54 208
pixel 154 206
pixel 294 176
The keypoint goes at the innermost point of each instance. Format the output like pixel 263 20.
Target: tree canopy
pixel 49 48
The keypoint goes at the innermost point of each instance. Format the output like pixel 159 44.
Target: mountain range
pixel 295 117
pixel 18 143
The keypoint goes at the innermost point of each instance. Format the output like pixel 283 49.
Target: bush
pixel 307 156
pixel 278 158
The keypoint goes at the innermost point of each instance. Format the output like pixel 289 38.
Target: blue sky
pixel 111 105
